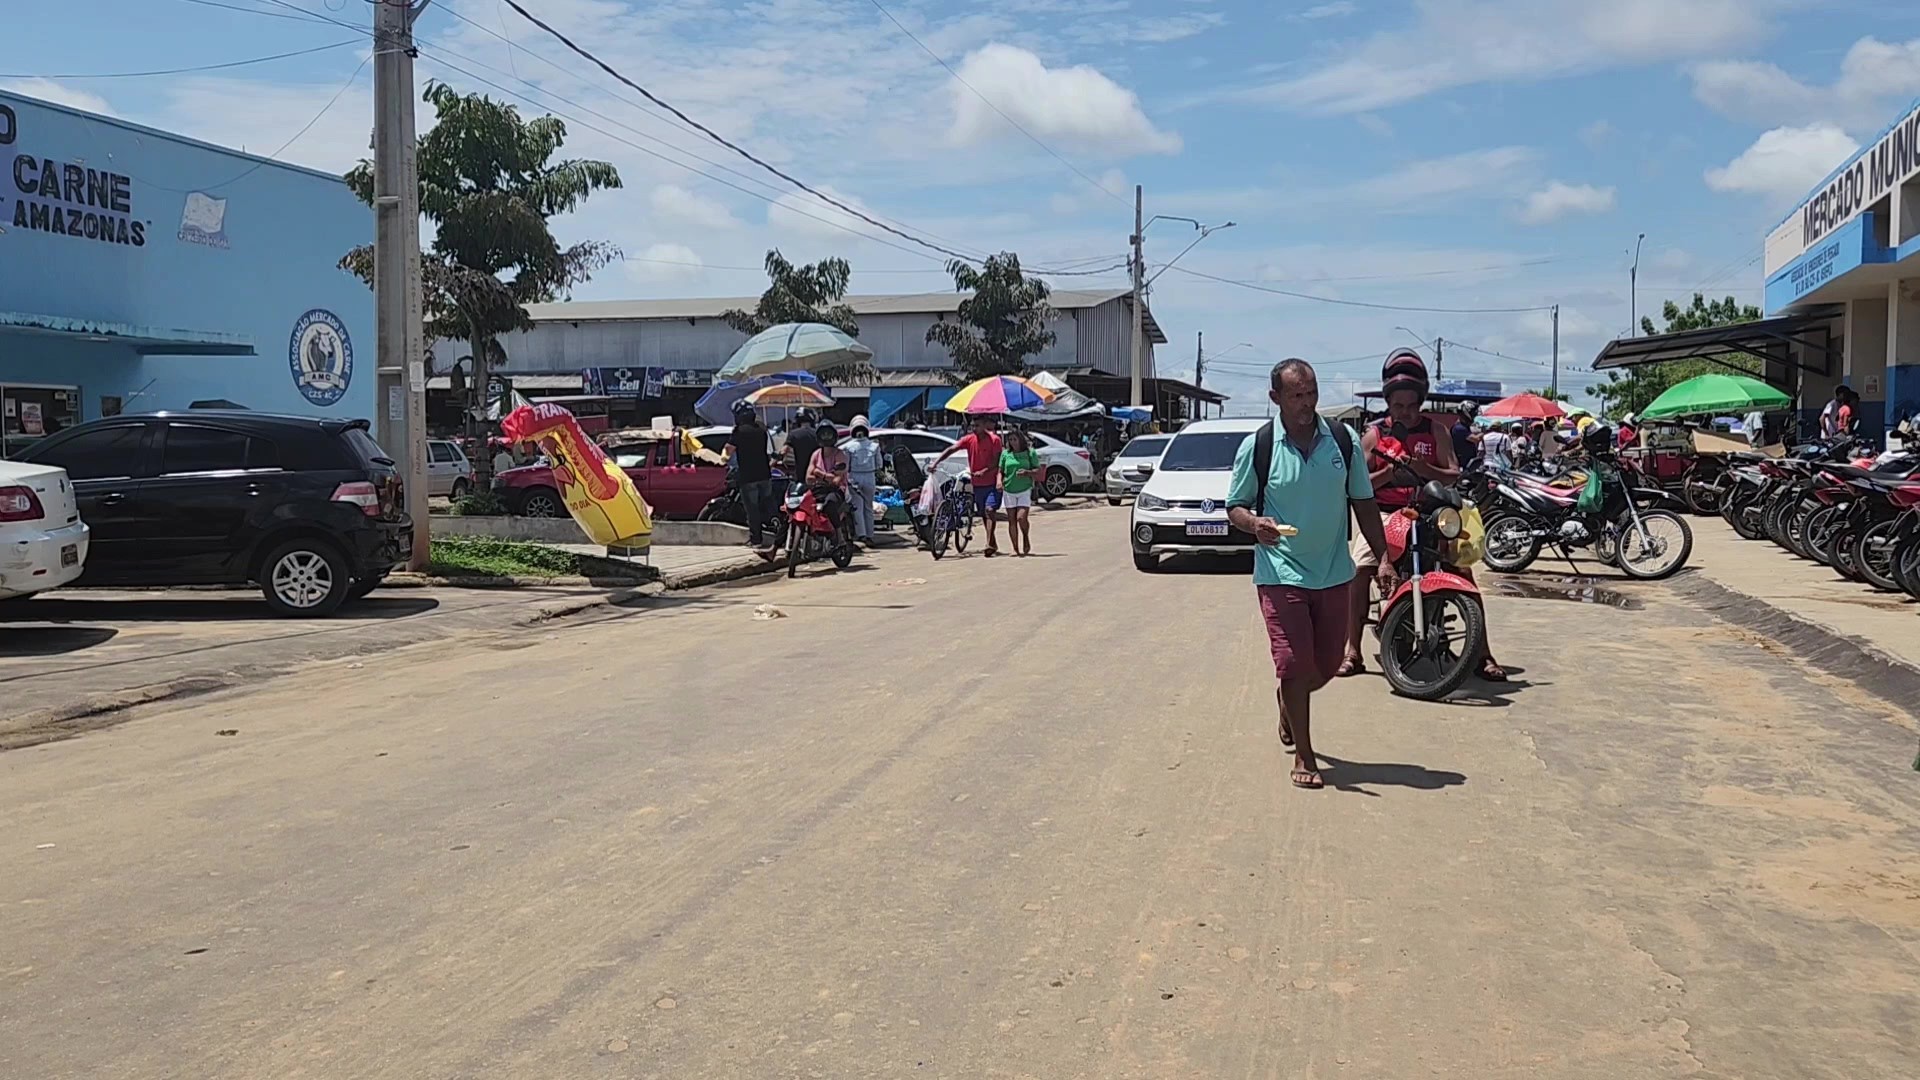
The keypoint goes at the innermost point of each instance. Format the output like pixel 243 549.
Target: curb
pixel 69 721
pixel 715 575
pixel 402 580
pixel 1843 656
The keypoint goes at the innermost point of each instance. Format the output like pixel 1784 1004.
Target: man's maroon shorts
pixel 1307 629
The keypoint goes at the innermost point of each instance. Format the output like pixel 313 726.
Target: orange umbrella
pixel 1524 407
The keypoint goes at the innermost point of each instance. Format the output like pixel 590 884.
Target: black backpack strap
pixel 1262 466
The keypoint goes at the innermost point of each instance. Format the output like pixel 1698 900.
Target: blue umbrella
pixel 716 405
pixel 794 347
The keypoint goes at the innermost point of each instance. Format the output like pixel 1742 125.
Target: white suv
pixel 1182 507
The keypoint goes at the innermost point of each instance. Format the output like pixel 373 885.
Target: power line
pixel 189 70
pixel 957 77
pixel 1356 303
pixel 306 16
pixel 717 137
pixel 1500 355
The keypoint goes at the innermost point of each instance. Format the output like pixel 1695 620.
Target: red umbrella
pixel 1524 407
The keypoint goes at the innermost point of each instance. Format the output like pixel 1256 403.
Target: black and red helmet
pixel 1404 370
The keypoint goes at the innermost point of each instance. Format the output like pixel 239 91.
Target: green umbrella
pixel 1711 395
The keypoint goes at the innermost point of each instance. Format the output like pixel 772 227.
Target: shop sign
pixel 320 356
pixel 203 220
pixel 625 382
pixel 69 199
pixel 1861 182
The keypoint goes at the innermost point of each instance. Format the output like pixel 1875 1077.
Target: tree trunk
pixel 478 427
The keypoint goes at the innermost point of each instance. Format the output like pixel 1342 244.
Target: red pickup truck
pixel 674 485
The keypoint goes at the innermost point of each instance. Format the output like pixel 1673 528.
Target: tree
pixel 1550 394
pixel 1001 324
pixel 798 294
pixel 1633 389
pixel 489 184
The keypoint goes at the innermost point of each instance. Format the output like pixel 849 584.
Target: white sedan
pixel 1136 461
pixel 43 542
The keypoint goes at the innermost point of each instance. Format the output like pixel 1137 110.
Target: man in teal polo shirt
pixel 1302 565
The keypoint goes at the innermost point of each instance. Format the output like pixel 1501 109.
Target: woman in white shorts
pixel 1019 469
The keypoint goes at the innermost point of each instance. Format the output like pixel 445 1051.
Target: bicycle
pixel 953 521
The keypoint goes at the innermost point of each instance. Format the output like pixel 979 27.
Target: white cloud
pixel 260 117
pixel 1416 186
pixel 1336 9
pixel 1785 162
pixel 1455 43
pixel 1874 80
pixel 675 203
pixel 59 94
pixel 1373 123
pixel 801 213
pixel 1597 134
pixel 1081 196
pixel 661 264
pixel 1074 106
pixel 1557 200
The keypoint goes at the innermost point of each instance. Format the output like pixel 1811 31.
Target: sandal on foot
pixel 1349 667
pixel 1492 672
pixel 1286 736
pixel 1308 779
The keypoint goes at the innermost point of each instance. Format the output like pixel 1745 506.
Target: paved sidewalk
pixel 1888 622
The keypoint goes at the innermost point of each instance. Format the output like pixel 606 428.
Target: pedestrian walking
pixel 864 461
pixel 1294 486
pixel 982 446
pixel 1019 468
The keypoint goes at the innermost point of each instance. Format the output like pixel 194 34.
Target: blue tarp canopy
pixel 938 396
pixel 886 401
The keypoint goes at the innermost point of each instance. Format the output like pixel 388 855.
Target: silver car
pixel 1127 473
pixel 449 473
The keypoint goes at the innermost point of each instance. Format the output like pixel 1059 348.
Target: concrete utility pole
pixel 1199 358
pixel 1139 285
pixel 400 345
pixel 1633 287
pixel 1439 344
pixel 1556 351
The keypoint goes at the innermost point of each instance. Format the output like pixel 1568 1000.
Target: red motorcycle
pixel 1433 629
pixel 811 532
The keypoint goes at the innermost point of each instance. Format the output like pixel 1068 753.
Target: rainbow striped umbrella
pixel 998 394
pixel 787 395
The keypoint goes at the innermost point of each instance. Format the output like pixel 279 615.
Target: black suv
pixel 309 509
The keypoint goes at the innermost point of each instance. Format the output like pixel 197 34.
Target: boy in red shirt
pixel 982 445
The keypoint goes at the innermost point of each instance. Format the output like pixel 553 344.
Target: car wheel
pixel 461 489
pixel 1056 483
pixel 305 579
pixel 1112 501
pixel 542 503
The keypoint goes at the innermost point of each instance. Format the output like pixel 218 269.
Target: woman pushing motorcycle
pixel 1425 454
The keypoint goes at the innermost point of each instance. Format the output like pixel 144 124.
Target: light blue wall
pixel 285 228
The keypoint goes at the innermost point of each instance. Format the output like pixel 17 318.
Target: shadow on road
pixel 51 640
pixel 1349 775
pixel 1220 565
pixel 1479 694
pixel 66 609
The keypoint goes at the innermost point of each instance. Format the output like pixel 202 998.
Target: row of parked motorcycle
pixel 1834 501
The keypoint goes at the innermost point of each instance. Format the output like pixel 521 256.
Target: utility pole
pixel 1556 352
pixel 400 346
pixel 1439 343
pixel 1199 358
pixel 1139 284
pixel 1633 287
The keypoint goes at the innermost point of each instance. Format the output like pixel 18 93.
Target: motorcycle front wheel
pixel 796 542
pixel 1511 545
pixel 1873 555
pixel 1818 533
pixel 1744 516
pixel 1657 547
pixel 1455 641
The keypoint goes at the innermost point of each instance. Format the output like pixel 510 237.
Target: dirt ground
pixel 974 819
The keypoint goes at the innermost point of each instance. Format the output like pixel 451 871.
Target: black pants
pixel 758 497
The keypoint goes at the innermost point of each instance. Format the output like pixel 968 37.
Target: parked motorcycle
pixel 1906 539
pixel 1626 527
pixel 812 533
pixel 1433 629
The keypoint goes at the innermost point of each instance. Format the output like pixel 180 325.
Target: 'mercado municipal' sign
pixel 1872 173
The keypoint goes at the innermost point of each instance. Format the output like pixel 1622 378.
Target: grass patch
pixel 457 556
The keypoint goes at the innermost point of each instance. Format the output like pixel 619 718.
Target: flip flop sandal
pixel 1487 670
pixel 1309 779
pixel 1349 667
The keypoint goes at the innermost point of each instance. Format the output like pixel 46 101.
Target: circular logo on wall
pixel 320 356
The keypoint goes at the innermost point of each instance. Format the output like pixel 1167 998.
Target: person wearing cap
pixel 1409 435
pixel 864 461
pixel 750 453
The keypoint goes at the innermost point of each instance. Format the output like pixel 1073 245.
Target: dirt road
pixel 977 819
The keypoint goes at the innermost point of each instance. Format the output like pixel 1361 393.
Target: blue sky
pixel 1467 154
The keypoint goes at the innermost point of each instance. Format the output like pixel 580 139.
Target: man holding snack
pixel 1293 485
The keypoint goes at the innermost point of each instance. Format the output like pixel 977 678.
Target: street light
pixel 1141 281
pixel 1633 279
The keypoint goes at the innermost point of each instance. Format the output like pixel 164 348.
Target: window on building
pixel 101 454
pixel 192 449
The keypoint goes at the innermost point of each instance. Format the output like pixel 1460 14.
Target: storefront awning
pixel 1769 340
pixel 145 340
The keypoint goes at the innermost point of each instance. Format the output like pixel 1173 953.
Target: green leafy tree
pixel 1550 394
pixel 1632 389
pixel 798 294
pixel 490 186
pixel 1001 324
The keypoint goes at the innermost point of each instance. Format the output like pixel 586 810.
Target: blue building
pixel 1849 257
pixel 141 270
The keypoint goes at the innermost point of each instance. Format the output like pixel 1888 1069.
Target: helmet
pixel 742 407
pixel 1404 370
pixel 806 416
pixel 860 424
pixel 827 435
pixel 1597 438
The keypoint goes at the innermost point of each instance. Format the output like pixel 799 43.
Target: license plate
pixel 70 555
pixel 1206 528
